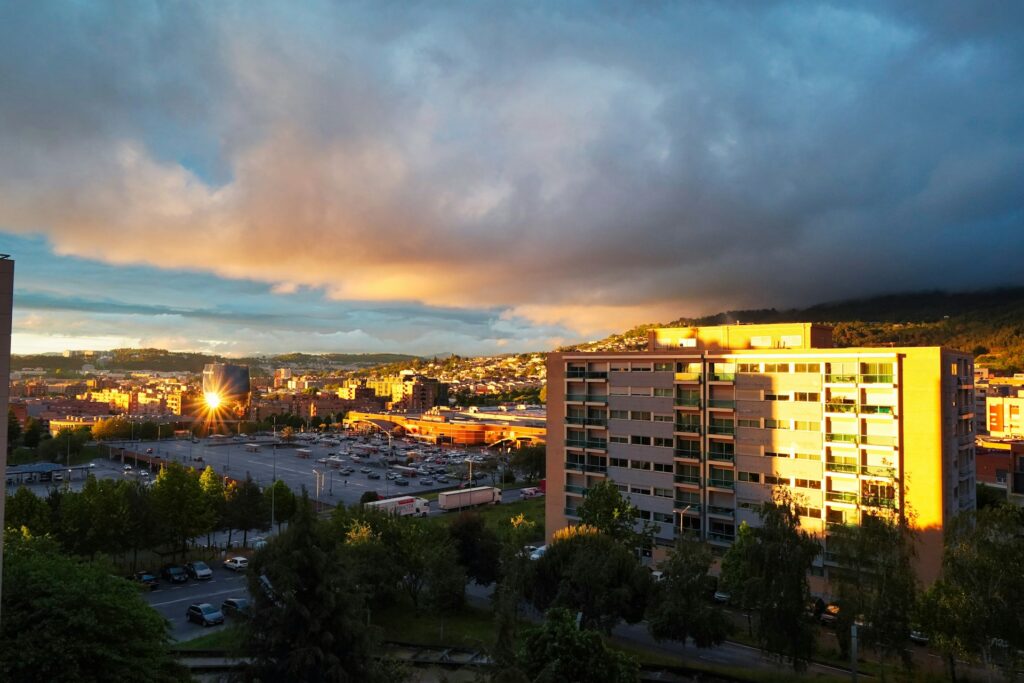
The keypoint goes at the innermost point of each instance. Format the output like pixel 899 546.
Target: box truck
pixel 466 498
pixel 402 506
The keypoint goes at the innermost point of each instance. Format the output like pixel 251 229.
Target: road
pixel 171 600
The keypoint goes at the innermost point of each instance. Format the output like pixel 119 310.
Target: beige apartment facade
pixel 700 429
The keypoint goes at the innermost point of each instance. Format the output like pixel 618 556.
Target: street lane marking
pixel 195 598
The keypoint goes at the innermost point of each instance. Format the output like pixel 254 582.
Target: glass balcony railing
pixel 876 410
pixel 687 479
pixel 878 440
pixel 687 376
pixel 876 379
pixel 571 512
pixel 878 501
pixel 722 429
pixel 687 402
pixel 722 483
pixel 687 505
pixel 574 373
pixel 580 467
pixel 834 407
pixel 587 421
pixel 840 378
pixel 847 466
pixel 722 377
pixel 721 538
pixel 721 457
pixel 692 455
pixel 878 471
pixel 841 438
pixel 728 404
pixel 688 427
pixel 571 488
pixel 589 398
pixel 840 497
pixel 838 525
pixel 719 510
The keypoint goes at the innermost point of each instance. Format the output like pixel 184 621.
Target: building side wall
pixel 554 501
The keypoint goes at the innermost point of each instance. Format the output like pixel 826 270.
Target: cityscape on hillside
pixel 534 342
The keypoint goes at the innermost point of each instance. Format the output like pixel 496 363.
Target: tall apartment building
pixel 701 427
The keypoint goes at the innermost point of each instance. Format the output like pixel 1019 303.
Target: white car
pixel 236 564
pixel 538 553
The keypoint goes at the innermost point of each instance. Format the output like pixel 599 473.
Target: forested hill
pixel 988 323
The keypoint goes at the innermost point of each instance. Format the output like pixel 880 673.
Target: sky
pixel 487 177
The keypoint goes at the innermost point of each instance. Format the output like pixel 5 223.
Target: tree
pixel 288 434
pixel 215 500
pixel 559 651
pixel 66 620
pixel 679 608
pixel 531 461
pixel 418 549
pixel 594 574
pixel 975 604
pixel 281 502
pixel 477 547
pixel 875 582
pixel 368 497
pixel 514 573
pixel 605 509
pixel 248 509
pixel 26 509
pixel 742 585
pixel 13 429
pixel 778 557
pixel 33 433
pixel 308 612
pixel 179 505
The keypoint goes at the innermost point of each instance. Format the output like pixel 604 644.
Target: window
pixel 756 424
pixel 618 414
pixel 640 465
pixel 663 367
pixel 642 415
pixel 641 490
pixel 806 367
pixel 752 477
pixel 663 493
pixel 662 418
pixel 770 423
pixel 620 367
pixel 776 481
pixel 618 439
pixel 808 484
pixel 748 368
pixel 776 397
pixel 749 505
pixel 639 391
pixel 807 456
pixel 641 368
pixel 664 442
pixel 805 511
pixel 644 514
pixel 808 396
pixel 619 391
pixel 637 440
pixel 664 517
pixel 618 462
pixel 776 367
pixel 663 393
pixel 807 426
pixel 662 467
pixel 775 454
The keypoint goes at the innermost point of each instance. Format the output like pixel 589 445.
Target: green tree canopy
pixel 281 502
pixel 605 509
pixel 679 607
pixel 558 651
pixel 26 509
pixel 179 506
pixel 531 461
pixel 477 546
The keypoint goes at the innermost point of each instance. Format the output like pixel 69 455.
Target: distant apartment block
pixel 700 428
pixel 1006 415
pixel 410 392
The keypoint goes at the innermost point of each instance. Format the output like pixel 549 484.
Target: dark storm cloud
pixel 585 164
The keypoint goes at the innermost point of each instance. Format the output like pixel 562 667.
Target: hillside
pixel 989 323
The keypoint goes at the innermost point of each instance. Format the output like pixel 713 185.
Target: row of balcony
pixel 858 408
pixel 580 467
pixel 712 376
pixel 586 398
pixel 853 467
pixel 705 455
pixel 853 498
pixel 580 373
pixel 833 378
pixel 587 443
pixel 864 439
pixel 586 421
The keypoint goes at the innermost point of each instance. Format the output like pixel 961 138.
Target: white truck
pixel 402 506
pixel 467 498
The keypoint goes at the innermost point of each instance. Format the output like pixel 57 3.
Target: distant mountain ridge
pixel 988 323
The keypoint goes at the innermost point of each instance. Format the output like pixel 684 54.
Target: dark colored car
pixel 373 475
pixel 237 608
pixel 174 573
pixel 146 579
pixel 204 614
pixel 199 571
pixel 401 481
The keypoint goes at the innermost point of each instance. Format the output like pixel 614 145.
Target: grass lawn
pixel 470 628
pixel 497 515
pixel 229 639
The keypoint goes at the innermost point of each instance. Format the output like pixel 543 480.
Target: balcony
pixel 579 490
pixel 878 471
pixel 840 407
pixel 721 404
pixel 845 466
pixel 722 430
pixel 721 538
pixel 686 507
pixel 580 467
pixel 587 443
pixel 721 457
pixel 719 510
pixel 691 455
pixel 580 398
pixel 831 526
pixel 574 373
pixel 687 377
pixel 841 497
pixel 686 428
pixel 878 440
pixel 876 379
pixel 571 512
pixel 840 379
pixel 722 483
pixel 878 502
pixel 876 410
pixel 722 377
pixel 841 438
pixel 687 402
pixel 687 479
pixel 587 421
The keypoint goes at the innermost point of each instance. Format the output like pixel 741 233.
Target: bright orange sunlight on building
pixel 212 399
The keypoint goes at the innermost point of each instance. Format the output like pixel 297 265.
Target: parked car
pixel 204 613
pixel 427 481
pixel 149 451
pixel 401 481
pixel 174 573
pixel 531 492
pixel 373 475
pixel 365 470
pixel 146 579
pixel 918 637
pixel 441 480
pixel 722 597
pixel 239 608
pixel 236 564
pixel 538 552
pixel 199 571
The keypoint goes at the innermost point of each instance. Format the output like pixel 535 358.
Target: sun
pixel 212 399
